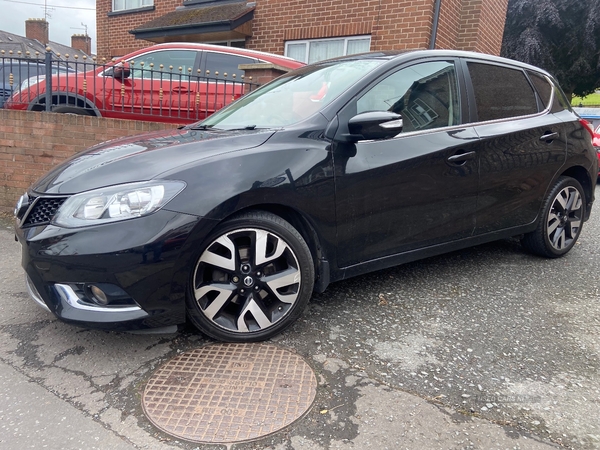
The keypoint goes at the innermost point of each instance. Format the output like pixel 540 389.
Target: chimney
pixel 82 42
pixel 37 29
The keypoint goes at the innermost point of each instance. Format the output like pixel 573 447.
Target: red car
pixel 173 82
pixel 596 142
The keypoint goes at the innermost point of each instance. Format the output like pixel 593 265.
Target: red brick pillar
pixel 258 74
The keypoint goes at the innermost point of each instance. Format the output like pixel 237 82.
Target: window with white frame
pixel 313 50
pixel 124 5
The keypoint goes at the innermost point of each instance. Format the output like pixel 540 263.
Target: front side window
pixel 425 95
pixel 310 51
pixel 123 5
pixel 171 60
pixel 501 92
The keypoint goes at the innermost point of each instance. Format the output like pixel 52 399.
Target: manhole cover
pixel 225 393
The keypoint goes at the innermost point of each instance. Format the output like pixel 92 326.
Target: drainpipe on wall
pixel 436 19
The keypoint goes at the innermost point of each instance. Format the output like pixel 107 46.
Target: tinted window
pixel 545 89
pixel 185 59
pixel 501 92
pixel 560 103
pixel 542 86
pixel 426 95
pixel 224 63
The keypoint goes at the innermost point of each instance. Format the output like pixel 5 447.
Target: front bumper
pixel 144 260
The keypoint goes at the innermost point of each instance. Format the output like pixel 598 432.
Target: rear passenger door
pixel 522 144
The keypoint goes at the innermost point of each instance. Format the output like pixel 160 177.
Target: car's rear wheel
pixel 561 221
pixel 252 280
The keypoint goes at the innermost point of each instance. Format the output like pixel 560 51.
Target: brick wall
pixel 489 26
pixel 393 24
pixel 449 24
pixel 31 143
pixel 481 31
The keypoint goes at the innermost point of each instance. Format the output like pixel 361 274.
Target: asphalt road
pixel 488 347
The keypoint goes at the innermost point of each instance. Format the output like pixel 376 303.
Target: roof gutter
pixel 436 19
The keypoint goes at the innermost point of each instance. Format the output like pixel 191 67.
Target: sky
pixel 65 18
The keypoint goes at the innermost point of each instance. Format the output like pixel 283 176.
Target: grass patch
pixel 589 100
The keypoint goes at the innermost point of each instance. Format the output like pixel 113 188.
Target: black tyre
pixel 252 280
pixel 561 221
pixel 71 110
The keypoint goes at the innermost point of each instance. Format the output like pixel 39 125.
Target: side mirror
pixel 374 125
pixel 121 70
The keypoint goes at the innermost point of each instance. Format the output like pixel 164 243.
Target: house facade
pixel 306 30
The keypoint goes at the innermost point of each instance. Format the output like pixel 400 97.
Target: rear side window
pixel 560 102
pixel 545 88
pixel 542 86
pixel 225 64
pixel 500 92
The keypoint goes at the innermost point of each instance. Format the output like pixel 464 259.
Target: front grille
pixel 43 210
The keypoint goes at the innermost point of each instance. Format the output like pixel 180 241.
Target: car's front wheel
pixel 252 280
pixel 561 220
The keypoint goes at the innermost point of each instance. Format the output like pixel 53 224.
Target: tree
pixel 560 36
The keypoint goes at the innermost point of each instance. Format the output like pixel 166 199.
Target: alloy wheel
pixel 247 280
pixel 565 218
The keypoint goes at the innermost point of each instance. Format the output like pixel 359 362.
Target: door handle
pixel 549 136
pixel 461 157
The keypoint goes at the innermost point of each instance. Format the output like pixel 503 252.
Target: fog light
pixel 99 295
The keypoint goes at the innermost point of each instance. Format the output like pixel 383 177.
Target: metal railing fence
pixel 82 85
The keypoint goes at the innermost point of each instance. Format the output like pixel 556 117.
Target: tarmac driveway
pixel 484 348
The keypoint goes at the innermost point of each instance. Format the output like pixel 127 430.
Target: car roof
pixel 409 54
pixel 268 57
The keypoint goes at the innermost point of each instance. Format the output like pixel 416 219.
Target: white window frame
pixel 307 42
pixel 227 41
pixel 143 4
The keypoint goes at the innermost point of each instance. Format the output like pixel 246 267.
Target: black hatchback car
pixel 333 170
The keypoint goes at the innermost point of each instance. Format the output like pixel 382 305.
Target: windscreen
pixel 292 98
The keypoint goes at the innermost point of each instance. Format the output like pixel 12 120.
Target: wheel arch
pixel 301 222
pixel 307 230
pixel 64 99
pixel 583 177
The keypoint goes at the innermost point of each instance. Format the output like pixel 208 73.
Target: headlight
pixel 113 203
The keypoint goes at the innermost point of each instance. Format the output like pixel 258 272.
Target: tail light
pixel 588 126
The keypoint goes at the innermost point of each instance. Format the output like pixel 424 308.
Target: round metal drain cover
pixel 226 393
